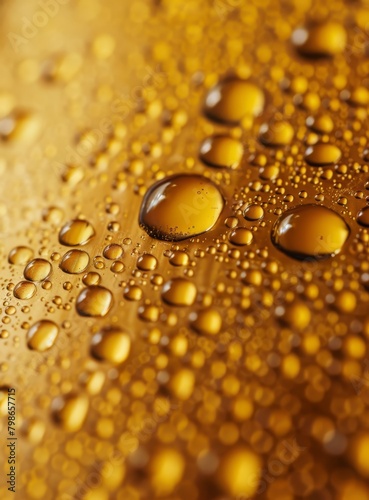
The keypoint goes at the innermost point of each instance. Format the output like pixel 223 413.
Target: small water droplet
pixel 322 154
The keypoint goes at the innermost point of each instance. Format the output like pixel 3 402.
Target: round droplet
pixel 20 256
pixel 277 133
pixel 241 236
pixel 75 262
pixel 180 207
pixel 111 344
pixel 113 251
pixel 37 270
pixel 221 151
pixel 70 411
pixel 310 231
pixel 94 301
pixel 91 279
pixel 363 217
pixel 232 100
pixel 76 232
pixel 24 290
pixel 147 262
pixel 207 321
pixel 322 154
pixel 320 40
pixel 179 292
pixel 42 335
pixel 253 212
pixel 133 292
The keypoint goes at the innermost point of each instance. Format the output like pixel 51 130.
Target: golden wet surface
pixel 184 249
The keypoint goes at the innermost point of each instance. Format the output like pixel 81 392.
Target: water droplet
pixel 322 124
pixel 147 262
pixel 253 212
pixel 237 466
pixel 363 217
pixel 20 256
pixel 166 470
pixel 322 154
pixel 241 236
pixel 113 251
pixel 70 411
pixel 75 262
pixel 179 292
pixel 24 290
pixel 42 335
pixel 37 270
pixel 319 40
pixel 310 231
pixel 232 100
pixel 133 292
pixel 76 232
pixel 94 301
pixel 221 151
pixel 276 133
pixel 91 279
pixel 111 344
pixel 181 206
pixel 207 321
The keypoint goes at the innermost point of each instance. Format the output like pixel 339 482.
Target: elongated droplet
pixel 322 154
pixel 310 231
pixel 42 335
pixel 320 40
pixel 180 207
pixel 363 217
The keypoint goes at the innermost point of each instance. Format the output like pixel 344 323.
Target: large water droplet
pixel 76 232
pixel 70 411
pixel 20 256
pixel 179 292
pixel 111 344
pixel 322 154
pixel 232 100
pixel 37 270
pixel 276 133
pixel 42 335
pixel 24 290
pixel 325 39
pixel 75 262
pixel 94 301
pixel 310 231
pixel 221 151
pixel 180 206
